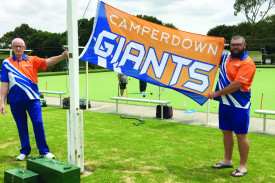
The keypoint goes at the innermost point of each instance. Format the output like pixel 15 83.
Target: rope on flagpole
pixel 84 14
pixel 67 59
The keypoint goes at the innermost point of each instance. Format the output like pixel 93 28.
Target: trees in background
pixel 254 10
pixel 259 30
pixel 263 35
pixel 23 31
pixel 224 31
pixel 85 28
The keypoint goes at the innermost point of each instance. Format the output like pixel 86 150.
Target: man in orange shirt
pixel 20 86
pixel 233 91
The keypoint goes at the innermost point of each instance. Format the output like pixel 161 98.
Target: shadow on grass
pixel 163 125
pixel 200 174
pixel 11 163
pixel 53 108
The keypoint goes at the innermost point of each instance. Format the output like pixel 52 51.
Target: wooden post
pixel 261 103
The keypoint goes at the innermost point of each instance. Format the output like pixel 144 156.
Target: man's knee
pixel 227 133
pixel 241 136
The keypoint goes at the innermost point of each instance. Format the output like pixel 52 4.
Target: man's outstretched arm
pixel 56 59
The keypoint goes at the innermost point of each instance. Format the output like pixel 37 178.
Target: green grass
pixel 4 56
pixel 103 85
pixel 157 151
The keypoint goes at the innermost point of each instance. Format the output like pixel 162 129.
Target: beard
pixel 237 55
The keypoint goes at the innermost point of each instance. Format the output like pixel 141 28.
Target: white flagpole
pixel 75 121
pixel 87 85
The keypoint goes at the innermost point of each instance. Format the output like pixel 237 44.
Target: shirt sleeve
pixel 40 63
pixel 223 58
pixel 4 73
pixel 246 73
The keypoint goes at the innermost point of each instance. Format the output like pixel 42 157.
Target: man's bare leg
pixel 243 145
pixel 228 142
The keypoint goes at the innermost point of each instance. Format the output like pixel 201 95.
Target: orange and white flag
pixel 175 59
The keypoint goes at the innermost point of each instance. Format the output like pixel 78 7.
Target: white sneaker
pixel 50 156
pixel 21 157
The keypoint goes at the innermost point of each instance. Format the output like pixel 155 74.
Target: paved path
pixel 197 118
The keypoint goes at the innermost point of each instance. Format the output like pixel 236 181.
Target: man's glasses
pixel 237 45
pixel 20 47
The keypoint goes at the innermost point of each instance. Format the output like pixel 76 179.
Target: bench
pixel 256 56
pixel 264 112
pixel 258 62
pixel 140 100
pixel 54 92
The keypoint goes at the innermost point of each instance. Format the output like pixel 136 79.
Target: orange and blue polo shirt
pixel 236 69
pixel 22 77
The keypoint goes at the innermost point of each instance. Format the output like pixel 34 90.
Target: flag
pixel 171 58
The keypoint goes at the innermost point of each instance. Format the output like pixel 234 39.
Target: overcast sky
pixel 196 16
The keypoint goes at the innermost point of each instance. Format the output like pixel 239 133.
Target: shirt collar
pixel 24 57
pixel 245 55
